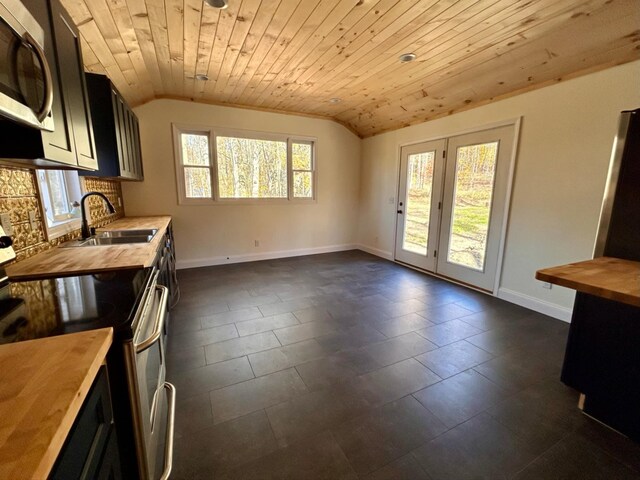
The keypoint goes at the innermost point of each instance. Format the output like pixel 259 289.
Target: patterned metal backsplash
pixel 19 195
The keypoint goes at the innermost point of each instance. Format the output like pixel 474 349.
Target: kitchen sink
pixel 147 232
pixel 114 237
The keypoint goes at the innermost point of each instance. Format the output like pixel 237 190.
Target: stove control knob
pixel 5 242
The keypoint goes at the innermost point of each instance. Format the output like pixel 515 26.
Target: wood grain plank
pixel 142 28
pixel 158 26
pixel 253 38
pixel 326 15
pixel 244 23
pixel 377 23
pixel 263 74
pixel 286 8
pixel 192 28
pixel 175 33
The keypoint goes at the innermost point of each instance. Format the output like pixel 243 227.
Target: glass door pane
pixel 419 186
pixel 473 192
pixel 474 206
pixel 419 192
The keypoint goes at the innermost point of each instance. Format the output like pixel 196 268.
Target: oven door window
pixel 21 73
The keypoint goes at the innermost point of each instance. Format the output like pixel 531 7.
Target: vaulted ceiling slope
pixel 297 55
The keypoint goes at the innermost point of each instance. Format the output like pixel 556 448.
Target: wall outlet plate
pixel 32 219
pixel 546 285
pixel 5 220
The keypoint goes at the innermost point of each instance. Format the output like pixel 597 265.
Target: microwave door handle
pixel 45 110
pixel 159 322
pixel 168 443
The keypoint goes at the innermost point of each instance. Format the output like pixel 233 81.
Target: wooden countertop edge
pixel 33 268
pixel 97 352
pixel 593 290
pixel 587 277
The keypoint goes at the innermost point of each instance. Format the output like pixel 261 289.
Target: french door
pixel 451 201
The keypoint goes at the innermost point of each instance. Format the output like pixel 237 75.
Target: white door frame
pixel 516 122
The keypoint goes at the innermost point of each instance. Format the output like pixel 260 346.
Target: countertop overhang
pixel 84 260
pixel 44 384
pixel 612 278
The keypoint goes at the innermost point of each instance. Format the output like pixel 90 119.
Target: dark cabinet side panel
pixel 74 86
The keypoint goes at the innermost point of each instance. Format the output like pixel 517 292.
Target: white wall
pixel 207 235
pixel 564 150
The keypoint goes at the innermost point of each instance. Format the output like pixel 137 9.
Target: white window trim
pixel 214 132
pixel 62 227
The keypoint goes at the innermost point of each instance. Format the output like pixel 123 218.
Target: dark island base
pixel 602 361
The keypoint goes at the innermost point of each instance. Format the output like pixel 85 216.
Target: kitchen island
pixel 602 359
pixel 44 385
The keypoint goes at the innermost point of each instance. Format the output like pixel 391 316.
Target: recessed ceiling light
pixel 335 100
pixel 201 76
pixel 407 57
pixel 221 4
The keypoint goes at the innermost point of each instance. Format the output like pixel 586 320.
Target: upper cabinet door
pixel 73 85
pixel 116 131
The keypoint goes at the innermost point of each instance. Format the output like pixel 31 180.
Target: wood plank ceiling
pixel 297 55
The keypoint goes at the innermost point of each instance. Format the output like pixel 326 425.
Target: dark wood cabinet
pixel 116 130
pixel 71 144
pixel 91 449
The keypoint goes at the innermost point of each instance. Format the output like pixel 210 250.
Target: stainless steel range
pixel 135 305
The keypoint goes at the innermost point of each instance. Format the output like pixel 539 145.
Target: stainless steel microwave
pixel 26 89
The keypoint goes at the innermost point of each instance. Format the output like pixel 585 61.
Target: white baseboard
pixel 375 251
pixel 532 303
pixel 253 257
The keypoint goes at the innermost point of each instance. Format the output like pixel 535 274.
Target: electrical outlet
pixel 32 219
pixel 546 285
pixel 256 243
pixel 5 220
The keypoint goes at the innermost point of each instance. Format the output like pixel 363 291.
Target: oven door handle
pixel 159 323
pixel 171 417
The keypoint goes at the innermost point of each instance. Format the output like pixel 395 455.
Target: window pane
pixel 301 156
pixel 195 149
pixel 58 193
pixel 475 167
pixel 302 185
pixel 418 208
pixel 249 168
pixel 197 182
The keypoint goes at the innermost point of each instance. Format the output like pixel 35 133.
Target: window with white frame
pixel 231 166
pixel 60 193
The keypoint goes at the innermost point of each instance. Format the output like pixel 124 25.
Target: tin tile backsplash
pixel 19 196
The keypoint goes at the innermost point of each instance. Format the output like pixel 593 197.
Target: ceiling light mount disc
pixel 407 57
pixel 221 4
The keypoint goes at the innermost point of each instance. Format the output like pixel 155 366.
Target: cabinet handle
pixel 168 442
pixel 48 82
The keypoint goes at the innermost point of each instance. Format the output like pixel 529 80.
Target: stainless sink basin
pixel 146 232
pixel 114 237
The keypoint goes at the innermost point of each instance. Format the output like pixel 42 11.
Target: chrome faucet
pixel 85 226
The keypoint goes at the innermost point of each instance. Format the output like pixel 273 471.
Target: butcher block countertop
pixel 44 384
pixel 612 278
pixel 84 260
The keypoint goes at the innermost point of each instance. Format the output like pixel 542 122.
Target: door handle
pixel 399 211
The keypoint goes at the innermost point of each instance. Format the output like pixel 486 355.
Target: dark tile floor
pixel 346 366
